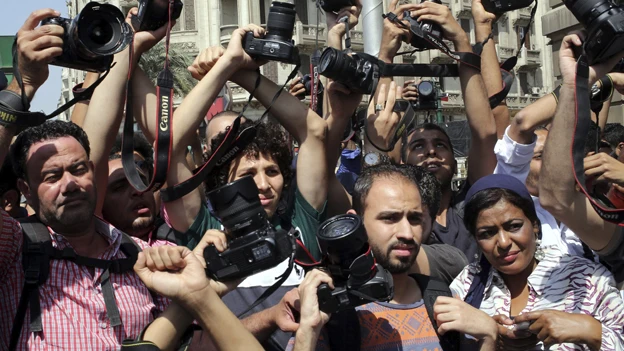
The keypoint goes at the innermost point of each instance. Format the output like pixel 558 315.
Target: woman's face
pixel 506 237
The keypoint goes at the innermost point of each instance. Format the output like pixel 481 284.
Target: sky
pixel 15 13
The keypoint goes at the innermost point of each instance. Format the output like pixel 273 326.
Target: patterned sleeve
pixel 10 243
pixel 459 287
pixel 609 310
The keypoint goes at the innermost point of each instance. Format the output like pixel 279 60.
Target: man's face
pixel 126 208
pixel 267 175
pixel 431 149
pixel 396 223
pixel 60 184
pixel 536 163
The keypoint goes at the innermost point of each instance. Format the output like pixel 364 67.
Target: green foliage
pixel 153 61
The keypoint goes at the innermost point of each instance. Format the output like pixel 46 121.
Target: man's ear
pixel 25 190
pixel 618 148
pixel 352 211
pixel 9 198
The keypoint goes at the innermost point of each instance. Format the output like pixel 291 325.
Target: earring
pixel 478 264
pixel 539 251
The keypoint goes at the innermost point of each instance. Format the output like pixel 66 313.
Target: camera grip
pixel 326 300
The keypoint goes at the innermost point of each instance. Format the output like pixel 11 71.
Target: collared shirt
pixel 514 159
pixel 569 284
pixel 73 312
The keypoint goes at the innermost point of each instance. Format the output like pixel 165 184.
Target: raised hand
pixel 441 14
pixel 382 122
pixel 353 14
pixel 342 101
pixel 205 61
pixel 297 88
pixel 410 90
pixel 235 53
pixel 145 40
pixel 481 17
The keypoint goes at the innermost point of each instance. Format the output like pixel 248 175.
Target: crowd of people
pixel 515 259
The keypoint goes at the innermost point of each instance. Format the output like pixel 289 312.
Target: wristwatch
pixel 373 159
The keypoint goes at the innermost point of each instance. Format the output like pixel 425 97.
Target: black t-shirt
pixel 455 233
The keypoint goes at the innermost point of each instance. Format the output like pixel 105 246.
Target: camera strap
pixel 163 143
pixel 583 121
pixel 11 114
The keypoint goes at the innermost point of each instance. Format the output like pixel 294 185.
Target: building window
pixel 229 13
pixel 187 18
pixel 520 30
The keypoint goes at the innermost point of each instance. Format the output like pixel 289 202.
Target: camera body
pixel 423 30
pixel 500 6
pixel 357 278
pixel 277 44
pixel 604 22
pixel 154 14
pixel 427 96
pixel 356 71
pixel 254 245
pixel 92 38
pixel 335 5
pixel 307 83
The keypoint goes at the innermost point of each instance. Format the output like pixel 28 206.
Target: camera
pixel 604 22
pixel 92 38
pixel 307 83
pixel 277 44
pixel 357 278
pixel 500 6
pixel 424 30
pixel 356 71
pixel 154 14
pixel 254 245
pixel 335 5
pixel 427 96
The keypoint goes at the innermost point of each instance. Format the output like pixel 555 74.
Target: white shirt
pixel 514 159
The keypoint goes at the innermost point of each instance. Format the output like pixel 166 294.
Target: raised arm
pixel 490 69
pixel 557 184
pixel 481 158
pixel 80 109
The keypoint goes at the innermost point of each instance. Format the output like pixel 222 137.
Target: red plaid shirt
pixel 73 313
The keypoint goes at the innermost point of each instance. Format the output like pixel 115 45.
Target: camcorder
pixel 92 38
pixel 254 245
pixel 277 44
pixel 154 14
pixel 604 21
pixel 357 72
pixel 500 6
pixel 357 278
pixel 335 5
pixel 427 96
pixel 424 31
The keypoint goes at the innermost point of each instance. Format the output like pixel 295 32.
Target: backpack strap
pixel 431 289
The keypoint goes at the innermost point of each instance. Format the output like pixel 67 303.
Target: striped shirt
pixel 73 313
pixel 564 283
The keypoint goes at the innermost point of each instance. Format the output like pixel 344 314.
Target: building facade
pixel 205 23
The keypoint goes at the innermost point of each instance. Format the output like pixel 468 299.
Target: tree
pixel 153 61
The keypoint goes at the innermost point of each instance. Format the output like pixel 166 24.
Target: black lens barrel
pixel 281 21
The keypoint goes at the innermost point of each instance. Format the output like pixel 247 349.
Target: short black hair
pixel 423 127
pixel 8 180
pixel 487 198
pixel 49 130
pixel 426 183
pixel 614 134
pixel 270 140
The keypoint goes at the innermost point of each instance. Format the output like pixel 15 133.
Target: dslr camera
pixel 424 31
pixel 427 96
pixel 357 278
pixel 500 6
pixel 307 83
pixel 154 14
pixel 254 245
pixel 277 44
pixel 604 21
pixel 92 38
pixel 356 71
pixel 335 5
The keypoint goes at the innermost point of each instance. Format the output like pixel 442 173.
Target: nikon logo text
pixel 164 107
pixel 8 117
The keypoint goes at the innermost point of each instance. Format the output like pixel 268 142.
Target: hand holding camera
pixel 343 101
pixel 144 39
pixel 352 11
pixel 36 48
pixel 312 315
pixel 481 16
pixel 440 14
pixel 393 35
pixel 236 51
pixel 382 119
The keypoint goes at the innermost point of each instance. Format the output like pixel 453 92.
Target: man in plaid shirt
pixel 57 178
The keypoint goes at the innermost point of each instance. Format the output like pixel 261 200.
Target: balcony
pixel 462 8
pixel 529 60
pixel 226 33
pixel 522 17
pixel 504 52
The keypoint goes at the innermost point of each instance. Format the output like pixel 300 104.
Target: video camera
pixel 277 44
pixel 254 244
pixel 604 21
pixel 153 14
pixel 92 38
pixel 357 278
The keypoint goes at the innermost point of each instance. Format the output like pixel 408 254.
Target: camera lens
pixel 238 206
pixel 586 11
pixel 101 30
pixel 337 65
pixel 101 33
pixel 343 237
pixel 281 21
pixel 425 89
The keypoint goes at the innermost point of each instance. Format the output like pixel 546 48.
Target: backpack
pixel 37 252
pixel 343 328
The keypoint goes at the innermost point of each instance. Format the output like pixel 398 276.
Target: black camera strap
pixel 163 144
pixel 11 115
pixel 583 121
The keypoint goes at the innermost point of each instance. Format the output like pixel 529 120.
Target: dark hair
pixel 487 198
pixel 8 180
pixel 47 131
pixel 270 140
pixel 428 186
pixel 423 127
pixel 141 146
pixel 614 134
